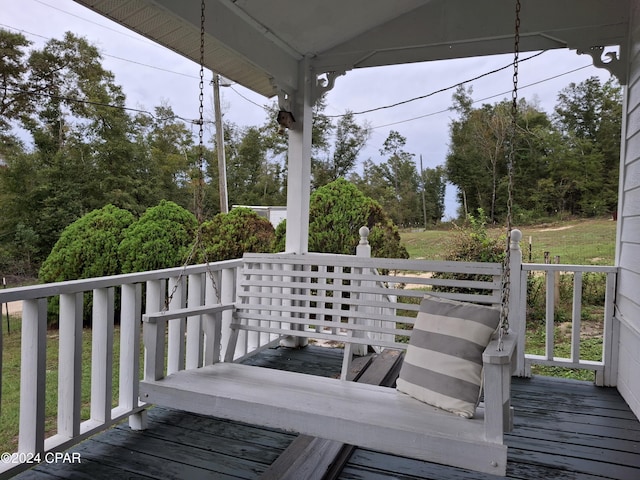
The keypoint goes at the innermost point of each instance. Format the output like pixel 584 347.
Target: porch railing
pixel 572 276
pixel 102 304
pixel 123 299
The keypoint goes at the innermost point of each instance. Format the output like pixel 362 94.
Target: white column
pixel 299 171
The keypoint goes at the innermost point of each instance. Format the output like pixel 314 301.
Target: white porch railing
pixel 604 368
pixel 193 286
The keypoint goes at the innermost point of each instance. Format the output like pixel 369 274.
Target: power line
pixel 403 102
pixel 482 99
pixel 264 107
pixel 135 62
pixel 100 104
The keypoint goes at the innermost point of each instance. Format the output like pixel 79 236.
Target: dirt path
pixel 557 229
pixel 14 308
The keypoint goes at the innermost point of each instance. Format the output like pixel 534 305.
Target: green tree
pixel 394 183
pixel 88 247
pixel 349 140
pixel 433 186
pixel 83 156
pixel 14 101
pixel 589 115
pixel 477 161
pixel 230 235
pixel 161 238
pixel 252 179
pixel 165 144
pixel 477 158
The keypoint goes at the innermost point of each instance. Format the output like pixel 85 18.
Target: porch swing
pixel 433 415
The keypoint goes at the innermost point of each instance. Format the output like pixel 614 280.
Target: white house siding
pixel 628 295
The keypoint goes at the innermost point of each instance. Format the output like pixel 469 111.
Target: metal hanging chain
pixel 506 270
pixel 199 187
pixel 199 192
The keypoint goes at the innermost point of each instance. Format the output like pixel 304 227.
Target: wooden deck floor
pixel 563 430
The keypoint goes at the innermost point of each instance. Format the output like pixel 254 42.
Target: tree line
pixel 565 163
pixel 70 145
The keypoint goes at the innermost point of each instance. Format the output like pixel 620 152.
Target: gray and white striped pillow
pixel 443 363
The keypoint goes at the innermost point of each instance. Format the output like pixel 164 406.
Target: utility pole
pixel 222 166
pixel 424 202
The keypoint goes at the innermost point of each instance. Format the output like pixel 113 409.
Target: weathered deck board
pixel 563 430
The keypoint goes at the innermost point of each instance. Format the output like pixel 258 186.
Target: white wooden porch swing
pixel 458 342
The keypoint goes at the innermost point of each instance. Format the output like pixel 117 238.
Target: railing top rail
pixel 561 267
pixel 335 260
pixel 74 286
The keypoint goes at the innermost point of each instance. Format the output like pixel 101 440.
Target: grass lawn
pixel 10 415
pixel 588 242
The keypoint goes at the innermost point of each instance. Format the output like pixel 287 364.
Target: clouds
pixel 151 75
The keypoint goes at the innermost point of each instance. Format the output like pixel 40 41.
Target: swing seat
pixel 290 299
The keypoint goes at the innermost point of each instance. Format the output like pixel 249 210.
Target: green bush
pixel 88 247
pixel 472 243
pixel 161 238
pixel 230 235
pixel 337 211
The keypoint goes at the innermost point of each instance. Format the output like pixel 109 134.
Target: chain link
pixel 199 186
pixel 506 270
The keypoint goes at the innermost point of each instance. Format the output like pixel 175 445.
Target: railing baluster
pixel 550 316
pixel 576 317
pixel 32 375
pixel 227 290
pixel 523 368
pixel 194 324
pixel 130 345
pixel 211 294
pixel 175 354
pixel 70 364
pixel 102 355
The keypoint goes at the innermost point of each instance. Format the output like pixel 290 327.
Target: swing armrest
pixel 494 356
pixel 186 312
pixel 497 387
pixel 154 326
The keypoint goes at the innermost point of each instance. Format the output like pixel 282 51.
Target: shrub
pixel 230 235
pixel 472 243
pixel 161 238
pixel 88 247
pixel 337 211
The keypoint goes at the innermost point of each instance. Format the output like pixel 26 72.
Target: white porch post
pixel 299 171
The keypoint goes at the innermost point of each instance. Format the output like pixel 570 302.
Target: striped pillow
pixel 443 364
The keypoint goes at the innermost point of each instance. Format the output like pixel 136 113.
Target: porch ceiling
pixel 259 43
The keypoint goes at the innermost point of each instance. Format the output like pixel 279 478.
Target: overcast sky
pixel 151 74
